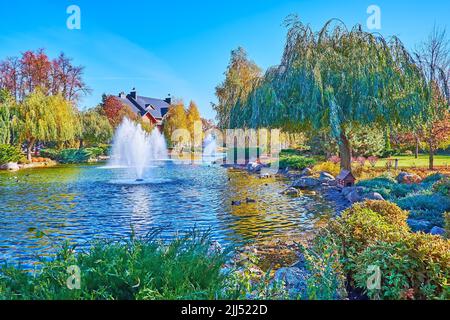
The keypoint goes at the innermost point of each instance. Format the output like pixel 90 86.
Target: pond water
pixel 82 203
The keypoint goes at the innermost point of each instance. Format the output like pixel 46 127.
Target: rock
pixel 437 231
pixel 11 166
pixel 254 167
pixel 306 183
pixel 248 200
pixel 408 178
pixel 294 280
pixel 307 172
pixel 236 203
pixel 326 177
pixel 291 192
pixel 347 190
pixel 354 196
pixel 373 196
pixel 419 225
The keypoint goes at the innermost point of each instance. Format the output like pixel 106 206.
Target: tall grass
pixel 137 269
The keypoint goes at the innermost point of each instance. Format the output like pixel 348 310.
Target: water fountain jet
pixel 135 149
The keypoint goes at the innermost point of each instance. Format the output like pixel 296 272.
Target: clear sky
pixel 183 47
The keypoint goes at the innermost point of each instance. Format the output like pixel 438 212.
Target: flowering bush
pixel 362 161
pixel 330 167
pixel 335 159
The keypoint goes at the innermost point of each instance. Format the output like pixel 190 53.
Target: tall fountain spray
pixel 135 149
pixel 209 149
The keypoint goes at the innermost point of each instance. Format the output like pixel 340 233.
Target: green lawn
pixel 422 161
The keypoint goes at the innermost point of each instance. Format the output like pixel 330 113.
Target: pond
pixel 81 203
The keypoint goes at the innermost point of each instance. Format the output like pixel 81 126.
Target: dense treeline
pixel 38 105
pixel 337 83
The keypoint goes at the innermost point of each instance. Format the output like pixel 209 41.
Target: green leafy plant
pixel 136 269
pixel 296 162
pixel 413 265
pixel 9 153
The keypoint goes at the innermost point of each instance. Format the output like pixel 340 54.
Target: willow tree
pixel 338 79
pixel 7 118
pixel 46 118
pixel 95 128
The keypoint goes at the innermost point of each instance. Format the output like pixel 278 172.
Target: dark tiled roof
pixel 344 174
pixel 142 105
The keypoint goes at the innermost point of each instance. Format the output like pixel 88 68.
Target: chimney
pixel 122 95
pixel 168 99
pixel 133 94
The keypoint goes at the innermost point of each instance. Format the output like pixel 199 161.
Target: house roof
pixel 157 108
pixel 344 175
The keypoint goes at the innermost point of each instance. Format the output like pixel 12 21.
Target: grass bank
pixel 421 162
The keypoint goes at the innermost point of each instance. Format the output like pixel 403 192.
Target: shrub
pixel 330 167
pixel 416 266
pixel 388 210
pixel 50 153
pixel 389 188
pixel 443 187
pixel 357 229
pixel 335 159
pixel 430 202
pixel 9 153
pixel 290 152
pixel 362 161
pixel 95 152
pixel 447 224
pixel 326 280
pixel 433 178
pixel 70 156
pixel 296 162
pixel 413 265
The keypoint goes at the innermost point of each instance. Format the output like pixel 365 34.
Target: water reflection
pixel 82 203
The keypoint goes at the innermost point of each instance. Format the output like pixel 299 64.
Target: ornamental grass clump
pixel 187 268
pixel 136 269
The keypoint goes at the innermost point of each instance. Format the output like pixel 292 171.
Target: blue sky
pixel 183 47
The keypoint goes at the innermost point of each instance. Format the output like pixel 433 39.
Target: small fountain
pixel 135 149
pixel 209 149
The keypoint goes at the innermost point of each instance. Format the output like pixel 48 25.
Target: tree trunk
pixel 81 144
pixel 30 146
pixel 416 154
pixel 346 153
pixel 431 157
